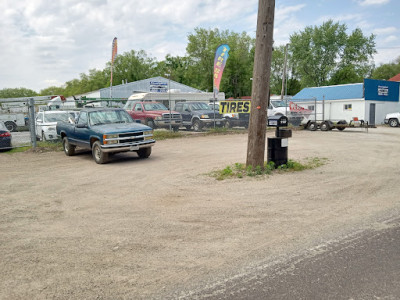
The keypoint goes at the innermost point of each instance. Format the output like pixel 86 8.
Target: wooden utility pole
pixel 260 86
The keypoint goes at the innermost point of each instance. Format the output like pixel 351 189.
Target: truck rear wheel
pixel 151 123
pixel 99 156
pixel 312 126
pixel 68 148
pixel 11 126
pixel 325 126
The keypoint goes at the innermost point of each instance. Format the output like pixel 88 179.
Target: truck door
pixel 186 113
pixel 138 113
pixel 82 131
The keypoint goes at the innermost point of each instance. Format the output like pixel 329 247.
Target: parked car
pixel 5 137
pixel 153 114
pixel 198 115
pixel 392 119
pixel 105 131
pixel 232 119
pixel 46 122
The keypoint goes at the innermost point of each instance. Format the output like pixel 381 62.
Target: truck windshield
pixel 108 117
pixel 279 103
pixel 56 117
pixel 154 106
pixel 200 106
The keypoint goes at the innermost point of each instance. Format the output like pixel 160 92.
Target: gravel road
pixel 161 228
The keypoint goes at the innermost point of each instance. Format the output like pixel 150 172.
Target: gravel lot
pixel 161 228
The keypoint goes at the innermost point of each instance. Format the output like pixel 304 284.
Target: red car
pixel 153 114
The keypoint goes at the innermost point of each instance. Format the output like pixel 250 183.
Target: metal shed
pixel 369 101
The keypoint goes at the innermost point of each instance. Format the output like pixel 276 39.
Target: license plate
pixel 134 148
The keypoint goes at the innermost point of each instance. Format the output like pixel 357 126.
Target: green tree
pixel 132 66
pixel 387 71
pixel 328 55
pixel 238 69
pixel 53 90
pixel 16 93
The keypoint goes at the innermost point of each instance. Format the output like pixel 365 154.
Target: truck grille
pixel 173 116
pixel 131 137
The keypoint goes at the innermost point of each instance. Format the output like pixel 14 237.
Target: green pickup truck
pixel 105 131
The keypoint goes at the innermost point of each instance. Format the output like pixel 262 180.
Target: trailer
pixel 326 125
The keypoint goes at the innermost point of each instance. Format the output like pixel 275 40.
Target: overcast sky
pixel 48 42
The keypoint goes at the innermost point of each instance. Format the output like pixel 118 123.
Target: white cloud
pixel 372 2
pixel 385 31
pixel 390 39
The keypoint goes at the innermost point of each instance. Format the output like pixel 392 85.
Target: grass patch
pixel 239 170
pixel 46 146
pixel 164 134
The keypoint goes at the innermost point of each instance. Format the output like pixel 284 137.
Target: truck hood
pixel 392 115
pixel 160 112
pixel 120 128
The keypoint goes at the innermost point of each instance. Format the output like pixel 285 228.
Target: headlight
pixel 148 135
pixel 109 139
pixel 204 117
pixel 158 118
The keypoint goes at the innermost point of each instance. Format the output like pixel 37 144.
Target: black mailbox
pixel 278 146
pixel 278 121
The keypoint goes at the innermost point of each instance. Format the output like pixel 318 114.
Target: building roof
pixel 395 78
pixel 333 92
pixel 154 84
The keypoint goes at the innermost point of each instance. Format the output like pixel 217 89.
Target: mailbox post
pixel 278 146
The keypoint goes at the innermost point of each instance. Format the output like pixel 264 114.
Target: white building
pixel 369 101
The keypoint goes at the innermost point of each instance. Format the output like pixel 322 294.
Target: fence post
pixel 32 129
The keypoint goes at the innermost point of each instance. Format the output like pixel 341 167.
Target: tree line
pixel 316 56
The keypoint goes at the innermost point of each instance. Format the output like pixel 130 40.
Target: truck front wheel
pixel 144 152
pixel 393 122
pixel 197 125
pixel 68 148
pixel 99 156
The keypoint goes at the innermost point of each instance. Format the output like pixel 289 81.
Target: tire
pixel 151 123
pixel 325 126
pixel 393 123
pixel 11 126
pixel 43 138
pixel 342 122
pixel 144 152
pixel 175 128
pixel 197 125
pixel 228 123
pixel 188 127
pixel 99 156
pixel 69 149
pixel 312 126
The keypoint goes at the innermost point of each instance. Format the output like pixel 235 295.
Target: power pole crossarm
pixel 261 80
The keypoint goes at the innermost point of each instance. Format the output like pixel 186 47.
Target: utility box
pixel 278 146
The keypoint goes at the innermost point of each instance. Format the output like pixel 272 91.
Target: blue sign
pixel 381 90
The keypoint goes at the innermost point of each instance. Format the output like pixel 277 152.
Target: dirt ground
pixel 161 228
